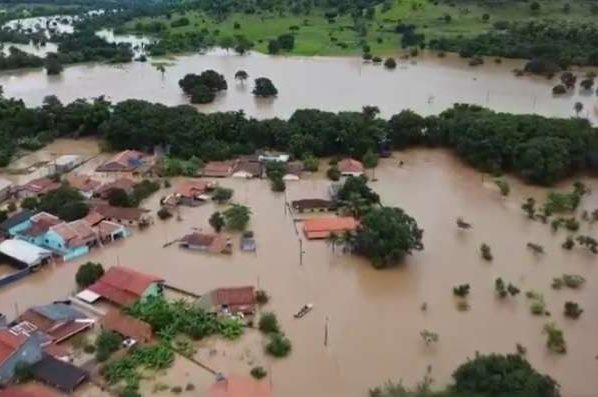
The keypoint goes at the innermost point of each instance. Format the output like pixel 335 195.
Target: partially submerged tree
pixel 89 273
pixel 241 75
pixel 217 221
pixel 237 216
pixel 264 88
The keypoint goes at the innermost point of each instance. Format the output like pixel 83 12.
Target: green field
pixel 317 36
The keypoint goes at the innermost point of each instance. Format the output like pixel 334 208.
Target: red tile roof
pixel 83 183
pixel 58 330
pixel 106 228
pixel 127 160
pixel 238 299
pixel 240 386
pixel 10 343
pixel 29 390
pixel 127 326
pixel 75 234
pixel 41 223
pixel 350 166
pixel 125 184
pixel 122 285
pixel 191 189
pixel 122 213
pixel 93 218
pixel 40 186
pixel 218 169
pixel 215 243
pixel 322 227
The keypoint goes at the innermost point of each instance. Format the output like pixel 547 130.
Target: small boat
pixel 304 310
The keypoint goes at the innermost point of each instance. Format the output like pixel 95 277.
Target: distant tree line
pixel 542 150
pixel 560 43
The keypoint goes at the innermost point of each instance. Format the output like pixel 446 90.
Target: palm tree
pixel 347 240
pixel 241 75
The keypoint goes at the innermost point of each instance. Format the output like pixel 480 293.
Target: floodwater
pixel 427 85
pixel 374 317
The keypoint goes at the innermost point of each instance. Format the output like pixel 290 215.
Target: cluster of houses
pixel 39 337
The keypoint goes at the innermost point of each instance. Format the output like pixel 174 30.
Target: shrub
pixel 177 390
pixel 569 243
pixel 278 345
pixel 89 273
pixel 390 63
pixel 189 387
pixel 555 339
pixel 164 213
pixel 333 173
pixel 277 184
pixel 261 297
pixel 574 281
pixel 572 310
pixel 89 349
pixel 107 343
pixel 269 323
pixel 461 290
pixel 486 252
pixel 310 163
pixel 503 186
pixel 258 372
pixel 222 195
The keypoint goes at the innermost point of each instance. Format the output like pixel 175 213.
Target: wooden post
pixel 300 251
pixel 326 332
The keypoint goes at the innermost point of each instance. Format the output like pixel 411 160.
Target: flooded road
pixel 374 317
pixel 427 86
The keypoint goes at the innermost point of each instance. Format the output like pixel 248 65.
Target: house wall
pixel 76 252
pixel 30 353
pixel 54 241
pixel 13 231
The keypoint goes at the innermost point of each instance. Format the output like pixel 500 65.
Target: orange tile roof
pixel 29 390
pixel 238 386
pixel 41 186
pixel 238 299
pixel 218 169
pixel 10 343
pixel 127 326
pixel 322 227
pixel 127 160
pixel 191 189
pixel 93 218
pixel 83 182
pixel 125 184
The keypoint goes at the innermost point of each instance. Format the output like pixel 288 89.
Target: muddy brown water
pixel 427 85
pixel 374 317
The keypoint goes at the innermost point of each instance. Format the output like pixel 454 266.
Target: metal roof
pixel 23 251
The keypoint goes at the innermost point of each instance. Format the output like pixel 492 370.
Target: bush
pixel 486 252
pixel 277 184
pixel 390 63
pixel 89 349
pixel 107 343
pixel 555 339
pixel 574 281
pixel 461 290
pixel 177 390
pixel 237 217
pixel 258 372
pixel 269 323
pixel 311 163
pixel 264 88
pixel 261 297
pixel 333 173
pixel 278 345
pixel 89 273
pixel 222 195
pixel 164 213
pixel 503 186
pixel 572 310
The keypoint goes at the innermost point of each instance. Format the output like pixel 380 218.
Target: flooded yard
pixel 374 317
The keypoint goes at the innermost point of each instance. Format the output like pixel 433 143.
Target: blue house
pixel 16 223
pixel 71 239
pixel 17 346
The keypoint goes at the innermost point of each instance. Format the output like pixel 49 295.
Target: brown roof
pixel 322 227
pixel 125 184
pixel 58 330
pixel 122 285
pixel 106 228
pixel 127 160
pixel 129 214
pixel 76 233
pixel 10 343
pixel 240 386
pixel 83 183
pixel 294 168
pixel 215 243
pixel 308 204
pixel 350 166
pixel 237 299
pixel 93 218
pixel 40 186
pixel 218 169
pixel 127 326
pixel 191 189
pixel 29 390
pixel 251 167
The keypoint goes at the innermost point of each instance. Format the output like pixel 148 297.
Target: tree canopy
pixel 386 235
pixel 88 273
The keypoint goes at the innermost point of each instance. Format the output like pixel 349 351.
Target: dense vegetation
pixel 88 273
pixel 85 46
pixel 542 150
pixel 491 375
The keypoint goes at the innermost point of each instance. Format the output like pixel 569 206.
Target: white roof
pixel 4 183
pixel 88 296
pixel 67 159
pixel 23 251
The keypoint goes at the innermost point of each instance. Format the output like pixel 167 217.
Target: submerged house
pixel 123 286
pixel 293 171
pixel 124 215
pixel 322 227
pixel 218 169
pixel 313 205
pixel 192 193
pixel 125 161
pixel 37 187
pixel 125 184
pixel 86 185
pixel 17 347
pixel 66 163
pixel 24 255
pixel 34 229
pixel 127 326
pixel 248 169
pixel 71 239
pixel 58 321
pixel 213 243
pixel 232 300
pixel 16 222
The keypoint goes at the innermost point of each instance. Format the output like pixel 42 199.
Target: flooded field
pixel 374 317
pixel 426 85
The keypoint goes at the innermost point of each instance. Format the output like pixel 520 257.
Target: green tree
pixel 119 198
pixel 390 63
pixel 88 273
pixel 241 75
pixel 278 345
pixel 53 64
pixel 264 88
pixel 333 173
pixel 217 221
pixel 222 195
pixel 277 184
pixel 237 216
pixel 268 323
pixel 30 203
pixel 370 160
pixel 497 375
pixel 64 202
pixel 387 235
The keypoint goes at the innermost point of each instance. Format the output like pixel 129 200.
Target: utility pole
pixel 300 251
pixel 326 332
